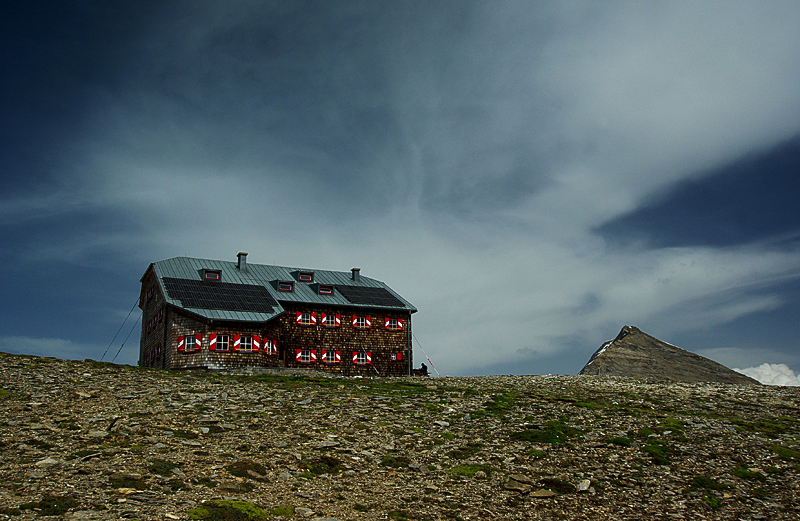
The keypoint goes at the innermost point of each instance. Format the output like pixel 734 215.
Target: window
pixel 190 343
pixel 285 286
pixel 362 357
pixel 223 343
pixel 397 357
pixel 212 274
pixel 305 276
pixel 331 357
pixel 270 347
pixel 331 320
pixel 304 318
pixel 306 356
pixel 326 290
pixel 394 324
pixel 246 344
pixel 361 322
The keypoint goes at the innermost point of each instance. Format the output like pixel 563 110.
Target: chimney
pixel 242 256
pixel 356 274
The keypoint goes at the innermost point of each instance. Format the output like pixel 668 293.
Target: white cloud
pixel 772 374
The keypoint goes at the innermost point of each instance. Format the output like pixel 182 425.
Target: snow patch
pixel 772 374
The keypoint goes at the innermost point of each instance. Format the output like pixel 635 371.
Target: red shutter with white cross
pixel 299 318
pixel 313 356
pixel 298 355
pixel 324 357
pixel 338 320
pixel 237 342
pixel 256 344
pixel 368 321
pixel 355 321
pixel 338 359
pixel 355 357
pixel 198 341
pixel 314 318
pixel 212 341
pixel 369 357
pixel 181 344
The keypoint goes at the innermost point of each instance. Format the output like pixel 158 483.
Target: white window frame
pixel 361 322
pixel 305 356
pixel 223 340
pixel 361 357
pixel 189 342
pixel 246 343
pixel 305 318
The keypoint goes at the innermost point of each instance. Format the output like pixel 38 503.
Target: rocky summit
pixel 636 354
pixel 89 440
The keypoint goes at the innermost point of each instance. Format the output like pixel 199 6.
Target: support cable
pixel 426 354
pixel 120 328
pixel 126 338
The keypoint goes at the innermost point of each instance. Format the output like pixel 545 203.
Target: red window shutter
pixel 324 319
pixel 256 343
pixel 299 319
pixel 399 323
pixel 369 357
pixel 181 344
pixel 338 358
pixel 212 342
pixel 198 341
pixel 386 325
pixel 355 357
pixel 313 355
pixel 298 354
pixel 324 357
pixel 399 356
pixel 338 320
pixel 355 321
pixel 369 322
pixel 274 347
pixel 237 342
pixel 314 318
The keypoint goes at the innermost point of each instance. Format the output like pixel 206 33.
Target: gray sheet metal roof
pixel 264 275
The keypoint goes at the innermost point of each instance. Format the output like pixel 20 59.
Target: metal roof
pixel 188 268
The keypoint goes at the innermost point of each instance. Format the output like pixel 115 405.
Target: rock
pixel 441 423
pixel 304 512
pixel 48 462
pixel 519 478
pixel 98 434
pixel 543 492
pixel 516 486
pixel 584 485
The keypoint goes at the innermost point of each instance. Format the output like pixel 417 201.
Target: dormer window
pixel 285 286
pixel 305 276
pixel 326 290
pixel 212 274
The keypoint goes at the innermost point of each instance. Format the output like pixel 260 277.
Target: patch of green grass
pixel 39 444
pixel 467 451
pixel 785 453
pixel 712 501
pixel 228 510
pixel 500 403
pixel 51 505
pixel 126 481
pixel 558 486
pixel 645 432
pixel 704 482
pixel 469 471
pixel 323 465
pixel 536 453
pixel 282 511
pixel 162 467
pixel 395 462
pixel 658 452
pixel 448 436
pixel 3 392
pixel 360 507
pixel 551 432
pixel 622 441
pixel 673 424
pixel 743 473
pixel 247 469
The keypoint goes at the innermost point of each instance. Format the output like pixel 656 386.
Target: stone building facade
pixel 218 315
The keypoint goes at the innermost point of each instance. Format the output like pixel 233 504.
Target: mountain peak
pixel 636 354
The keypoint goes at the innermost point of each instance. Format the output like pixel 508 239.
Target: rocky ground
pixel 87 440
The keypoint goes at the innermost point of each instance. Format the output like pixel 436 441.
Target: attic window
pixel 212 274
pixel 326 290
pixel 305 276
pixel 285 286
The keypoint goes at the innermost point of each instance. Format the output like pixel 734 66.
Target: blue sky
pixel 531 175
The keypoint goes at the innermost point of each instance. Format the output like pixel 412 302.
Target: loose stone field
pixel 89 440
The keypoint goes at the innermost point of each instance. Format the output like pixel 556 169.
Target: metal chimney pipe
pixel 242 256
pixel 356 274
